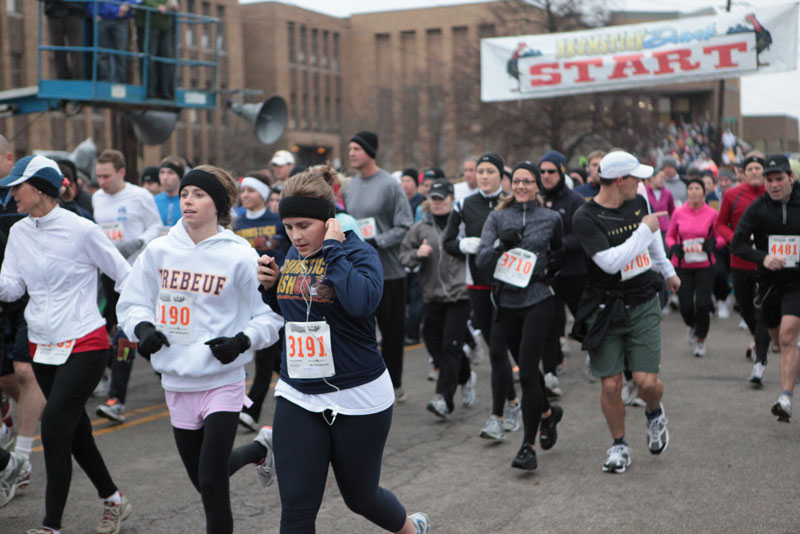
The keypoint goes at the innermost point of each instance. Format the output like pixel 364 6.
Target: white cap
pixel 283 157
pixel 618 164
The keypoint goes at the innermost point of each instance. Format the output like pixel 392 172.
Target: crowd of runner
pixel 323 279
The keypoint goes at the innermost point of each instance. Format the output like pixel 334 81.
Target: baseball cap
pixel 283 157
pixel 434 172
pixel 34 167
pixel 440 189
pixel 777 163
pixel 618 164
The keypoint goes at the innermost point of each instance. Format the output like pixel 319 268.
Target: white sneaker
pixel 690 337
pixel 783 408
pixel 619 459
pixel 511 417
pixel 433 375
pixel 266 469
pixel 102 388
pixel 551 386
pixel 723 310
pixel 481 351
pixel 493 429
pixel 468 396
pixel 757 375
pixel 742 325
pixel 564 345
pixel 113 515
pixel 438 406
pixel 17 469
pixel 657 433
pixel 247 421
pixel 421 522
pixel 630 394
pixel 700 349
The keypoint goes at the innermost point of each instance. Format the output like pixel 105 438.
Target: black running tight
pixel 525 330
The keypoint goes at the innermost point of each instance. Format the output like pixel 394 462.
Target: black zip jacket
pixel 763 218
pixel 566 202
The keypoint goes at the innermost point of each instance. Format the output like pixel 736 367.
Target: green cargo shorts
pixel 635 344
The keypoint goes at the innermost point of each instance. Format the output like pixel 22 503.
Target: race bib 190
pixel 308 350
pixel 175 316
pixel 641 263
pixel 515 267
pixel 786 247
pixel 367 227
pixel 693 251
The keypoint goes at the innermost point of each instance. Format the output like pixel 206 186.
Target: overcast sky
pixel 762 94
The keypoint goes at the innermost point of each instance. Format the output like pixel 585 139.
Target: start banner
pixel 762 39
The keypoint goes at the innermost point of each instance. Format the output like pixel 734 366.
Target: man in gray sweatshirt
pixel 673 182
pixel 377 201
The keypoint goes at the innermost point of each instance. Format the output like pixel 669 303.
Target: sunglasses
pixel 548 171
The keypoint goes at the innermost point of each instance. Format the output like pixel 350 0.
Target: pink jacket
pixel 665 203
pixel 686 224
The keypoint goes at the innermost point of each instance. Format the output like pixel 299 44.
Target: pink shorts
pixel 188 409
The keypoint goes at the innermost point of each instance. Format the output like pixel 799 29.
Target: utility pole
pixel 720 111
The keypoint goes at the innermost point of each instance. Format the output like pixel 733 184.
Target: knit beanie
pixel 368 141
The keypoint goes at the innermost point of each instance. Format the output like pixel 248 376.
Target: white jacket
pixel 56 258
pixel 219 275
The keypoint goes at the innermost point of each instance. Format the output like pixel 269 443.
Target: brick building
pixel 772 134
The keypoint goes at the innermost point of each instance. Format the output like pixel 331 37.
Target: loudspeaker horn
pixel 152 127
pixel 268 117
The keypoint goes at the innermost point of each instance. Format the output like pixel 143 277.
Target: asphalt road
pixel 730 466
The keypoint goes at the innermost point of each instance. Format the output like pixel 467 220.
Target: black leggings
pixel 722 268
pixel 305 445
pixel 694 298
pixel 66 430
pixel 484 317
pixel 443 332
pixel 568 290
pixel 744 289
pixel 121 366
pixel 391 318
pixel 525 329
pixel 267 361
pixel 206 456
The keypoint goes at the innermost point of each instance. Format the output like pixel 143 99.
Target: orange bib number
pixel 113 231
pixel 308 350
pixel 786 247
pixel 515 267
pixel 638 265
pixel 693 251
pixel 175 316
pixel 367 227
pixel 53 354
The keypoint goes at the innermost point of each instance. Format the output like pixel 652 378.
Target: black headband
pixel 494 159
pixel 308 207
pixel 754 159
pixel 177 168
pixel 528 166
pixel 211 185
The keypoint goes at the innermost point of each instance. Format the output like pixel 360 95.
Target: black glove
pixel 150 339
pixel 226 349
pixel 510 238
pixel 371 241
pixel 677 251
pixel 708 244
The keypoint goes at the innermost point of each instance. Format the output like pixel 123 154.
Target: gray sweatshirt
pixel 380 196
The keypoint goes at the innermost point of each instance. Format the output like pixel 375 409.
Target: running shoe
pixel 630 394
pixel 742 325
pixel 757 375
pixel 564 345
pixel 547 427
pixel 551 387
pixel 619 459
pixel 657 433
pixel 511 417
pixel 723 311
pixel 525 458
pixel 113 515
pixel 699 349
pixel 493 429
pixel 421 522
pixel 247 421
pixel 468 396
pixel 433 374
pixel 8 437
pixel 690 337
pixel 112 409
pixel 102 388
pixel 750 354
pixel 399 395
pixel 266 469
pixel 18 468
pixel 783 408
pixel 438 406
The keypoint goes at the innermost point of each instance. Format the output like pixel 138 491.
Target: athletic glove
pixel 227 349
pixel 677 251
pixel 128 248
pixel 371 241
pixel 150 339
pixel 708 244
pixel 510 238
pixel 469 245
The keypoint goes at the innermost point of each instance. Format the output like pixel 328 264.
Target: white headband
pixel 258 185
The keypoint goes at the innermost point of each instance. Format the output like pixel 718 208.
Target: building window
pixel 17 70
pixel 13 6
pixel 221 28
pixel 335 66
pixel 290 31
pixel 205 40
pixel 314 50
pixel 323 61
pixel 301 57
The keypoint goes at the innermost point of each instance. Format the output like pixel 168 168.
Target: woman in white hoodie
pixel 192 303
pixel 54 255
